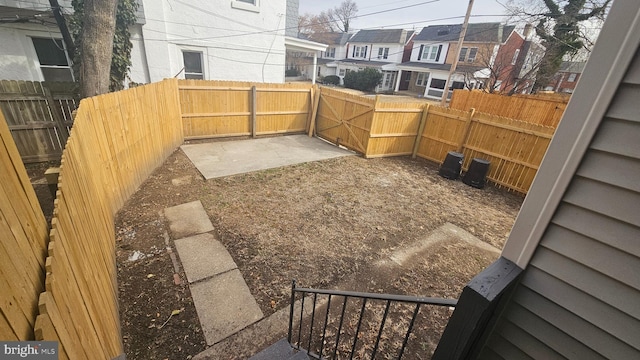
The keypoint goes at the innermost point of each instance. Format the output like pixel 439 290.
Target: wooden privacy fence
pixel 544 109
pixel 117 141
pixel 39 116
pixel 213 109
pixel 378 129
pixel 23 244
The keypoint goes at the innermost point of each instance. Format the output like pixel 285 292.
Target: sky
pixel 412 17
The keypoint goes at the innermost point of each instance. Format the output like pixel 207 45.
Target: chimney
pixel 527 31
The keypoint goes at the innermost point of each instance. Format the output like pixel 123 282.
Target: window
pixel 341 72
pixel 438 83
pixel 330 53
pixel 383 53
pixel 54 63
pixel 250 5
pixel 472 54
pixel 359 52
pixel 431 53
pixel 515 57
pixel 572 77
pixel 422 78
pixel 193 65
pixel 463 54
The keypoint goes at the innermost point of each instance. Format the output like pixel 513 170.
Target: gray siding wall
pixel 579 298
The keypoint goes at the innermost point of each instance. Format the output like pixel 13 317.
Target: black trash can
pixel 452 165
pixel 476 176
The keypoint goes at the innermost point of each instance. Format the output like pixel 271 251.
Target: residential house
pixel 576 240
pixel 379 49
pixel 491 56
pixel 566 78
pixel 241 40
pixel 336 50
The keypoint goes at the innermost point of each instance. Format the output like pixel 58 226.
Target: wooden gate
pixel 345 119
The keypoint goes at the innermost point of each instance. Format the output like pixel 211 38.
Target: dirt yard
pixel 328 224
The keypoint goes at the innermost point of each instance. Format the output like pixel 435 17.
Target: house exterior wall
pixel 175 27
pixel 233 36
pixel 18 59
pixel 412 84
pixel 508 69
pixel 483 57
pixel 561 82
pixel 419 45
pixel 579 294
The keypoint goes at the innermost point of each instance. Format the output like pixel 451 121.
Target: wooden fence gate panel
pixel 39 117
pixel 345 119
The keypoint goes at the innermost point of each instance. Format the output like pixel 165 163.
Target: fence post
pixel 314 113
pixel 423 123
pixel 467 128
pixel 310 110
pixel 254 110
pixel 57 116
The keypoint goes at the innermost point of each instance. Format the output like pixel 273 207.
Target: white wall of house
pixel 236 40
pixel 415 53
pixel 394 54
pixel 18 58
pixel 340 53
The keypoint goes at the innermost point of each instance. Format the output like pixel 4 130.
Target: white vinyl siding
pixel 579 295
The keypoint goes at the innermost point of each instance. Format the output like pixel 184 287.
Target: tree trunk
pixel 97 46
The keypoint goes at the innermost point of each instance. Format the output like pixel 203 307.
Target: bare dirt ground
pixel 327 224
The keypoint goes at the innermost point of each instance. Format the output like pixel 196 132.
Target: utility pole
pixel 62 24
pixel 463 32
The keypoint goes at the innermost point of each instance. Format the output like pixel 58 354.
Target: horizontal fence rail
pixel 39 116
pixel 212 109
pixel 354 328
pixel 544 109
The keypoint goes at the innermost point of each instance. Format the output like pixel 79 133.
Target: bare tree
pixel 560 26
pixel 97 46
pixel 341 15
pixel 309 25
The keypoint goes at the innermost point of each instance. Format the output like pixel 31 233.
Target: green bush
pixel 291 72
pixel 364 80
pixel 331 80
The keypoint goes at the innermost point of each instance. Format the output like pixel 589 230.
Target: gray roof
pixel 333 38
pixel 572 66
pixel 425 66
pixel 382 36
pixel 364 62
pixel 481 32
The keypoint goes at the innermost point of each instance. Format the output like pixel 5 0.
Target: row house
pixel 380 49
pixel 566 78
pixel 492 56
pixel 247 41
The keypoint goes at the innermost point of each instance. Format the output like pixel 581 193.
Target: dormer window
pixel 431 53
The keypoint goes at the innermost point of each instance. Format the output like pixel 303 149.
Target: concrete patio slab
pixel 224 305
pixel 218 159
pixel 188 219
pixel 203 256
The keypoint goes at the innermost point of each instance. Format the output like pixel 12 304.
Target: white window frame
pixel 40 66
pixel 360 52
pixel 330 53
pixel 248 5
pixel 572 77
pixel 383 53
pixel 342 72
pixel 515 56
pixel 472 53
pixel 202 61
pixel 421 79
pixel 463 53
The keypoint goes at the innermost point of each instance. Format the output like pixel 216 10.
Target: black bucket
pixel 452 165
pixel 476 176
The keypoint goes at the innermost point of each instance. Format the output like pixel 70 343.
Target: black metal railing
pixel 364 308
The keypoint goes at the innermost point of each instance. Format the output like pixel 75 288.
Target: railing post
pixel 293 299
pixel 423 123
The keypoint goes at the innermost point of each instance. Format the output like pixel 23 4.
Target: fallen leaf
pixel 175 312
pixel 150 276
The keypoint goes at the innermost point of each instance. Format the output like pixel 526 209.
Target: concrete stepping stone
pixel 203 256
pixel 188 219
pixel 224 305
